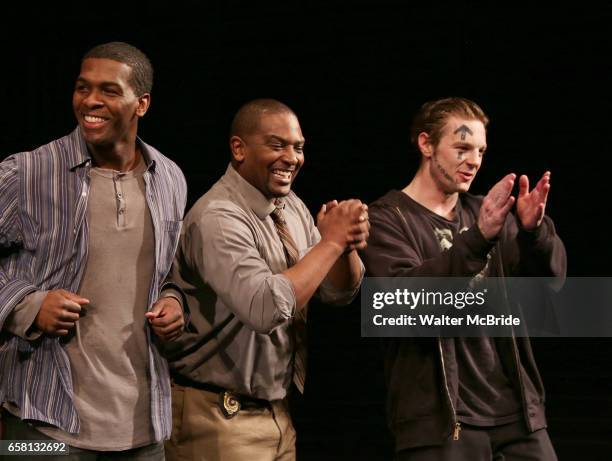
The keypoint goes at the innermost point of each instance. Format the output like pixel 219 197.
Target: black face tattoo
pixel 463 130
pixel 440 168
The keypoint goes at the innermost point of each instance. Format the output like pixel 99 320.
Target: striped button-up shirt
pixel 44 243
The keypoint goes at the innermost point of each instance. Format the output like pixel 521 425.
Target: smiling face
pixel 105 105
pixel 455 160
pixel 270 156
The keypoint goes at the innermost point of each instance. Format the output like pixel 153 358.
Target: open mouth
pixel 465 176
pixel 93 121
pixel 282 175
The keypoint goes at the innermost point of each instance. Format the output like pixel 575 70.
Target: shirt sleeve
pixel 12 290
pixel 20 322
pixel 541 252
pixel 331 295
pixel 221 246
pixel 327 293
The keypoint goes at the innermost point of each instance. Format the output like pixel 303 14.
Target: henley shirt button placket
pixel 120 202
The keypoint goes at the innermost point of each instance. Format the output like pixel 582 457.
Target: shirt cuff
pixel 21 321
pixel 477 243
pixel 170 292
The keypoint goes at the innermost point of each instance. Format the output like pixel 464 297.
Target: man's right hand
pixel 495 207
pixel 344 224
pixel 59 312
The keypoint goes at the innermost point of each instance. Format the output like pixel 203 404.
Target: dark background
pixel 355 73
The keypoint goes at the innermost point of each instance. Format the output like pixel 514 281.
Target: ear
pixel 144 102
pixel 238 148
pixel 425 145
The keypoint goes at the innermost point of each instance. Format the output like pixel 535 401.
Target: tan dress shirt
pixel 229 264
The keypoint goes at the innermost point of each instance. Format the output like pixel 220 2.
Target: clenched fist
pixel 59 312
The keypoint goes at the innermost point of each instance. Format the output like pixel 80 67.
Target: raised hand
pixel 345 224
pixel 530 206
pixel 495 207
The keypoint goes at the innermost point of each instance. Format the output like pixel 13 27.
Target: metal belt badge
pixel 229 404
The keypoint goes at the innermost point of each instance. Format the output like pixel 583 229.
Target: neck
pixel 424 190
pixel 120 157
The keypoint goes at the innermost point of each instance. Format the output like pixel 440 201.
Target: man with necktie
pixel 249 260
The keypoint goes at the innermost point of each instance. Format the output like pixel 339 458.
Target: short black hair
pixel 141 79
pixel 247 118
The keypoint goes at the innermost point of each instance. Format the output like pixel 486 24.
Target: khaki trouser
pixel 201 432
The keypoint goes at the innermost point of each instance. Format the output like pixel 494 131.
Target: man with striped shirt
pixel 89 224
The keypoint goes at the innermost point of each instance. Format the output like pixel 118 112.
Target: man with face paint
pixel 463 398
pixel 249 260
pixel 88 228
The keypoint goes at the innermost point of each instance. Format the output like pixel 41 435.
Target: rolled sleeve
pixel 225 252
pixel 327 293
pixel 281 289
pixel 331 295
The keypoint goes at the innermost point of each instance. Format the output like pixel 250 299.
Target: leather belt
pixel 230 402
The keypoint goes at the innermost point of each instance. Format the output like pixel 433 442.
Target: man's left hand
pixel 530 206
pixel 166 318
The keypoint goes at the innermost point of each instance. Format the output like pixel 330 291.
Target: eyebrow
pixel 468 144
pixel 274 137
pixel 81 79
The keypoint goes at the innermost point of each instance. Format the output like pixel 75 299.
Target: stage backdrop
pixel 355 73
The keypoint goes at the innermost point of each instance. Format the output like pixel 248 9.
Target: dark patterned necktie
pixel 299 318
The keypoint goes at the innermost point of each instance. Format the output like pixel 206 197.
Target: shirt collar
pixel 260 205
pixel 79 154
pixel 77 150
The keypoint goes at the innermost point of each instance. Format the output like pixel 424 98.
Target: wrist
pixel 170 292
pixel 169 298
pixel 485 235
pixel 530 227
pixel 333 246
